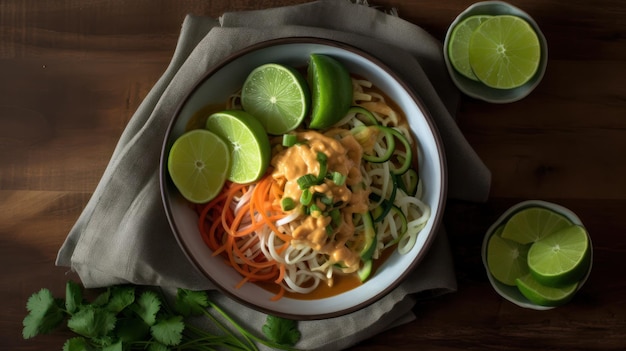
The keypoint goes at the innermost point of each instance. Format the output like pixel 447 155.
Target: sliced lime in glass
pixel 533 223
pixel 504 52
pixel 458 46
pixel 544 295
pixel 560 258
pixel 506 259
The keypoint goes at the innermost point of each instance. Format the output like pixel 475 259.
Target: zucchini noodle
pixel 329 205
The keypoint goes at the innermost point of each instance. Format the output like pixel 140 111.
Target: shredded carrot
pixel 235 235
pixel 281 275
pixel 279 295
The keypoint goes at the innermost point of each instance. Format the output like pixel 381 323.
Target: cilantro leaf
pixel 190 302
pixel 121 297
pixel 132 329
pixel 156 346
pixel 119 317
pixel 102 341
pixel 92 322
pixel 168 331
pixel 39 302
pixel 103 298
pixel 114 347
pixel 73 296
pixel 44 314
pixel 282 331
pixel 75 344
pixel 147 306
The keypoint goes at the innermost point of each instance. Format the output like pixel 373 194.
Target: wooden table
pixel 74 72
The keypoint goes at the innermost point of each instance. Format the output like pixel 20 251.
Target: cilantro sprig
pixel 137 318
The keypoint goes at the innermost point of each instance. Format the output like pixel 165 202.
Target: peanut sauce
pixel 344 156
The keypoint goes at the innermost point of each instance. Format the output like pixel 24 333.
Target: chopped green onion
pixel 306 181
pixel 339 178
pixel 329 230
pixel 287 204
pixel 326 200
pixel 306 197
pixel 323 160
pixel 314 210
pixel 335 216
pixel 321 157
pixel 289 140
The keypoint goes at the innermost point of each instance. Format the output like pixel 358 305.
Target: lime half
pixel 198 164
pixel 544 295
pixel 276 95
pixel 331 91
pixel 533 223
pixel 504 52
pixel 248 144
pixel 506 259
pixel 458 46
pixel 561 258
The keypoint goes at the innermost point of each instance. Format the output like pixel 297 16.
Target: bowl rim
pixel 476 89
pixel 436 217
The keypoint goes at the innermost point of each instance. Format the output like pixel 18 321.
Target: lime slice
pixel 506 259
pixel 561 258
pixel 533 223
pixel 504 52
pixel 331 91
pixel 458 46
pixel 248 144
pixel 198 164
pixel 276 95
pixel 544 295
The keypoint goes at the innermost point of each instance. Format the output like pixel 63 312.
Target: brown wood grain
pixel 72 73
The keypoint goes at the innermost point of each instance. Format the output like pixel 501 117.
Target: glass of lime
pixel 495 52
pixel 524 251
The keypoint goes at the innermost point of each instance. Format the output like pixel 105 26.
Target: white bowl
pixel 511 293
pixel 479 90
pixel 226 78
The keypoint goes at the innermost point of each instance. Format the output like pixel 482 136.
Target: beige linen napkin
pixel 123 236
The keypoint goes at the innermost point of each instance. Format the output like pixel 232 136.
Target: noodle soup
pixel 332 236
pixel 378 215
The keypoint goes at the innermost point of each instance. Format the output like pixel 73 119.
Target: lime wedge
pixel 561 258
pixel 532 224
pixel 506 259
pixel 276 95
pixel 248 144
pixel 544 295
pixel 198 164
pixel 458 46
pixel 504 52
pixel 331 91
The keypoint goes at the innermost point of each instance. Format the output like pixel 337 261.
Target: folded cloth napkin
pixel 122 236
